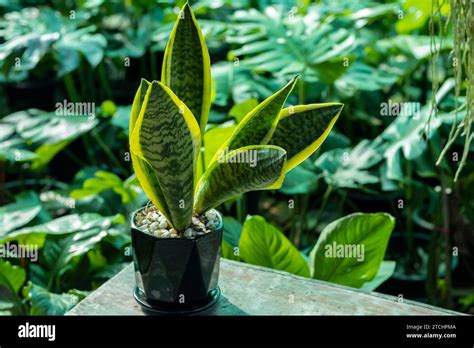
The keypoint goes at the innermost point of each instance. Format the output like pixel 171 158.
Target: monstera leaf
pixel 186 66
pixel 167 137
pixel 245 169
pixel 272 42
pixel 303 128
pixel 350 168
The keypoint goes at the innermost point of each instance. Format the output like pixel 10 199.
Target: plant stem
pixel 409 213
pixel 154 72
pixel 241 209
pixel 301 91
pixel 104 82
pixel 108 152
pixel 447 243
pixel 71 90
pixel 301 220
pixel 324 202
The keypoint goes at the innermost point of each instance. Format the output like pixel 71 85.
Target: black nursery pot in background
pixel 176 275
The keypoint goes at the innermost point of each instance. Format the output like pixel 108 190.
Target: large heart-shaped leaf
pixel 168 138
pixel 386 270
pixel 186 66
pixel 349 250
pixel 264 245
pixel 245 169
pixel 303 128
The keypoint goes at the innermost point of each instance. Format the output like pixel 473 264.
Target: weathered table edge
pixel 442 311
pixel 369 293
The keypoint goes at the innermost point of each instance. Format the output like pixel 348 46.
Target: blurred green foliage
pixel 67 183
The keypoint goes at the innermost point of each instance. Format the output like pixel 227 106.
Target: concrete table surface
pixel 254 290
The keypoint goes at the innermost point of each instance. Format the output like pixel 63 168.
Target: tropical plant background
pixel 67 186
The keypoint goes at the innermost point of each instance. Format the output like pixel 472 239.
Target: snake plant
pixel 168 120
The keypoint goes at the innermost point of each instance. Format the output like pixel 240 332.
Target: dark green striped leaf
pixel 258 125
pixel 167 137
pixel 142 169
pixel 245 169
pixel 186 66
pixel 303 128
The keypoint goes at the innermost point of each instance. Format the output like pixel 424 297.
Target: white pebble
pixel 145 222
pixel 163 224
pixel 211 215
pixel 155 216
pixel 188 233
pixel 154 226
pixel 196 221
pixel 166 234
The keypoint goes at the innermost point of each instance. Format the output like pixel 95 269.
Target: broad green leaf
pixel 258 125
pixel 24 210
pixel 240 110
pixel 375 78
pixel 142 169
pixel 59 251
pixel 232 231
pixel 385 271
pixel 417 13
pixel 349 250
pixel 233 173
pixel 45 132
pixel 43 302
pixel 62 225
pixel 11 280
pixel 419 46
pixel 105 181
pixel 404 137
pixel 213 140
pixel 168 138
pixel 228 251
pixel 186 66
pixel 272 43
pixel 264 245
pixel 349 168
pixel 300 180
pixel 303 128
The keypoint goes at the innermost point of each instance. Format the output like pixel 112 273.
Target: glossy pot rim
pixel 219 228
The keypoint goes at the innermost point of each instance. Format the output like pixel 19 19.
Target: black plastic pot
pixel 176 275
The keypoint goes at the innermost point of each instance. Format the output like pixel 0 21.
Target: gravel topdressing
pixel 150 220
